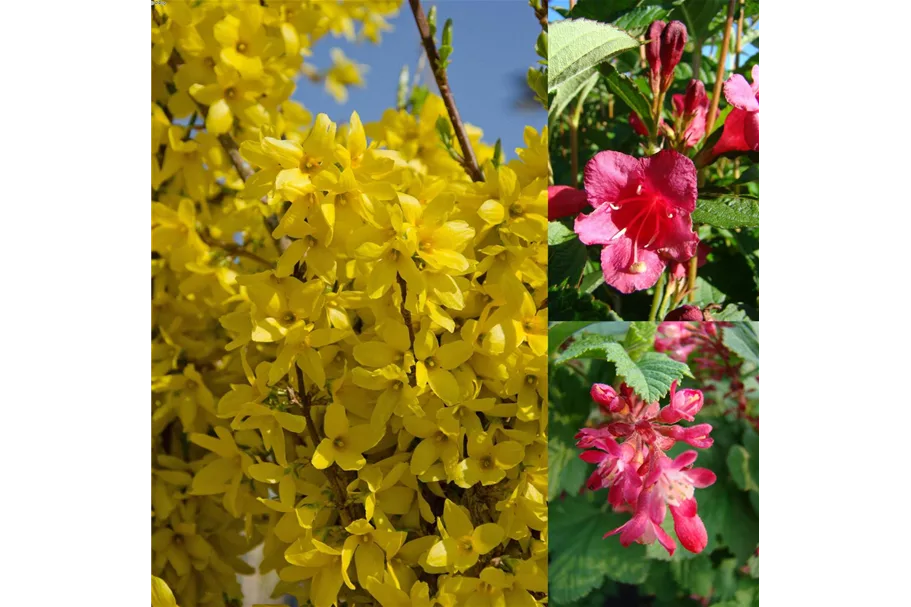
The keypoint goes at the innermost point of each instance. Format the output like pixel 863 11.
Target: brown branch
pixel 719 74
pixel 470 162
pixel 233 249
pixel 302 400
pixel 406 317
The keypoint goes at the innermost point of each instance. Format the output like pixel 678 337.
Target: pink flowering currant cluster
pixel 630 452
pixel 701 346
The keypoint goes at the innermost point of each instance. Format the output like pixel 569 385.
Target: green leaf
pixel 638 19
pixel 739 464
pixel 580 557
pixel 650 377
pixel 570 406
pixel 697 15
pixel 753 564
pixel 623 87
pixel 695 575
pixel 559 332
pixel 728 211
pixel 599 10
pixel 742 339
pixel 568 303
pixel 578 45
pixel 566 255
pixel 592 281
pixel 730 313
pixel 640 338
pixel 569 90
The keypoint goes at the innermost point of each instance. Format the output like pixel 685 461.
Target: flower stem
pixel 719 74
pixel 470 162
pixel 691 278
pixel 406 317
pixel 656 299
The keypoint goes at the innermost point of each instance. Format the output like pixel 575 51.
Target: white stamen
pixel 638 189
pixel 670 215
pixel 650 241
pixel 614 207
pixel 618 234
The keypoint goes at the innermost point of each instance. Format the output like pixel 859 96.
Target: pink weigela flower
pixel 564 201
pixel 741 127
pixel 642 215
pixel 690 110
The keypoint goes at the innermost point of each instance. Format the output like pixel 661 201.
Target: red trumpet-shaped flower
pixel 741 127
pixel 642 215
pixel 564 201
pixel 689 113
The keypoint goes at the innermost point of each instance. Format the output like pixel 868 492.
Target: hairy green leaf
pixel 728 211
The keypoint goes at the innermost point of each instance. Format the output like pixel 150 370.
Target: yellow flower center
pixel 191 385
pixel 465 544
pixel 440 437
pixel 209 62
pixel 241 47
pixel 431 363
pixel 230 93
pixel 288 318
pixel 486 463
pixel 339 443
pixel 637 267
pixel 531 380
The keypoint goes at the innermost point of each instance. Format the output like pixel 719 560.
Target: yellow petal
pixel 458 524
pixel 336 422
pixel 486 537
pixel 324 456
pixel 219 119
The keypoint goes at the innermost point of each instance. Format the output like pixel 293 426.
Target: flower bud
pixel 673 39
pixel 685 313
pixel 653 52
pixel 606 397
pixel 694 98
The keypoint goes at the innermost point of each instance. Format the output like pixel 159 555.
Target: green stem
pixel 656 300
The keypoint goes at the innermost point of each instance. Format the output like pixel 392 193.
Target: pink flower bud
pixel 685 313
pixel 694 98
pixel 673 39
pixel 607 398
pixel 653 52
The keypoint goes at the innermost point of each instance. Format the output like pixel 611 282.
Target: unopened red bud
pixel 694 98
pixel 673 39
pixel 653 51
pixel 685 313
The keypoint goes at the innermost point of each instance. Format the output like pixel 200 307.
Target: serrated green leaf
pixel 742 339
pixel 559 332
pixel 728 211
pixel 577 45
pixel 730 313
pixel 557 233
pixel 650 377
pixel 580 558
pixel 639 18
pixel 623 87
pixel 640 338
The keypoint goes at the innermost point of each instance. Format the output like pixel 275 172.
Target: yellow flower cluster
pixel 348 335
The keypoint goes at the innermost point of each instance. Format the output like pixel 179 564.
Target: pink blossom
pixel 663 52
pixel 643 207
pixel 645 526
pixel 741 127
pixel 675 481
pixel 564 201
pixel 607 398
pixel 684 405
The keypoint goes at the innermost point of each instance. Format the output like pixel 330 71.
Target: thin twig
pixel 719 74
pixel 235 250
pixel 406 317
pixel 302 400
pixel 470 162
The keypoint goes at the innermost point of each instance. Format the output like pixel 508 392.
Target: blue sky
pixel 494 47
